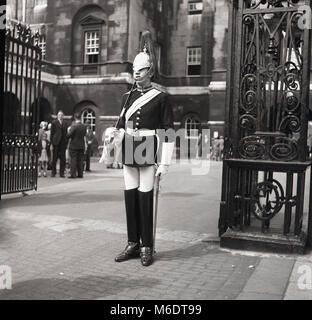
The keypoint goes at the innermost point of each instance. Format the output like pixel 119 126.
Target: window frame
pixel 195 63
pixel 41 3
pixel 160 6
pixel 86 30
pixel 158 57
pixel 89 110
pixel 43 45
pixel 192 120
pixel 195 11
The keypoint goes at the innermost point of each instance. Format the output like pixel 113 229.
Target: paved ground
pixel 61 242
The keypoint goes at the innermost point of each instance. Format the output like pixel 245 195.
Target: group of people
pixel 68 144
pixel 217 148
pixel 210 149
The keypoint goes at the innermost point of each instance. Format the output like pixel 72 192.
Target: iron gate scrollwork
pixel 267 107
pixel 272 97
pixel 22 78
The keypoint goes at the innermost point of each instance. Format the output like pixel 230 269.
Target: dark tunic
pixel 155 114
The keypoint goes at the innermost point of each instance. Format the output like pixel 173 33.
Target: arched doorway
pixel 191 124
pixel 45 110
pixel 89 113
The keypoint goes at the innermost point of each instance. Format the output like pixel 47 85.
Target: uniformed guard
pixel 145 111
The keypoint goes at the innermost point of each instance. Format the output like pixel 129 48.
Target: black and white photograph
pixel 156 151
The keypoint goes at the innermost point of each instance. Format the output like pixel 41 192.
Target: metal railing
pixel 22 79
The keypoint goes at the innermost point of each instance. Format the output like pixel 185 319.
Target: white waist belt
pixel 141 133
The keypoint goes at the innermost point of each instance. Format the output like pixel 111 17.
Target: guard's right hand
pixel 162 170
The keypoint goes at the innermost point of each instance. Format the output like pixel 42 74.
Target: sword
pixel 155 207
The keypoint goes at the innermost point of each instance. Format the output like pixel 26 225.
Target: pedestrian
pixel 49 151
pixel 199 146
pixel 90 140
pixel 42 149
pixel 206 146
pixel 77 147
pixel 59 143
pixel 215 149
pixel 221 146
pixel 146 109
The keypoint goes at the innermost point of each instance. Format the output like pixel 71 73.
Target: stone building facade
pixel 89 45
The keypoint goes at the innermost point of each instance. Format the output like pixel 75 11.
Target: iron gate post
pixel 267 104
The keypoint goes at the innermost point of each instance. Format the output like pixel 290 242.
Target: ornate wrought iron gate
pixel 19 159
pixel 266 154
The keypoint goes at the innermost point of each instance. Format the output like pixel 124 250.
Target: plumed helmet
pixel 142 60
pixel 146 57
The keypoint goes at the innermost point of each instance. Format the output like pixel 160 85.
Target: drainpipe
pixel 128 30
pixel 24 12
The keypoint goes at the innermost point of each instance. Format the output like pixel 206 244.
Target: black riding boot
pixel 133 226
pixel 146 226
pixel 133 215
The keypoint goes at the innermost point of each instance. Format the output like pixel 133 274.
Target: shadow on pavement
pixel 89 287
pixel 196 250
pixel 6 233
pixel 45 199
pixel 180 195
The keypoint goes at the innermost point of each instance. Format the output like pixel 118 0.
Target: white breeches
pixel 139 177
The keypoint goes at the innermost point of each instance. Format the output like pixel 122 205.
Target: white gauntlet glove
pixel 162 170
pixel 167 151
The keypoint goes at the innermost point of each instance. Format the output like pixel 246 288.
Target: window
pixel 88 117
pixel 191 127
pixel 158 57
pixel 193 61
pixel 92 47
pixel 160 5
pixel 42 45
pixel 195 7
pixel 42 3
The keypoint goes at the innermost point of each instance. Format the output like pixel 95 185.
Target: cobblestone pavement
pixel 54 255
pixel 79 264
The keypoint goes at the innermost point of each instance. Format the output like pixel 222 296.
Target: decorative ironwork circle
pixel 290 123
pixel 252 147
pixel 248 92
pixel 247 121
pixel 273 195
pixel 249 100
pixel 291 102
pixel 284 150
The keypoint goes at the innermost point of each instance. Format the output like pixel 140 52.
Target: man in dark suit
pixel 90 139
pixel 59 143
pixel 77 147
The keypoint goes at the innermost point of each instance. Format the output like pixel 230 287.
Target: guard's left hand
pixel 162 170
